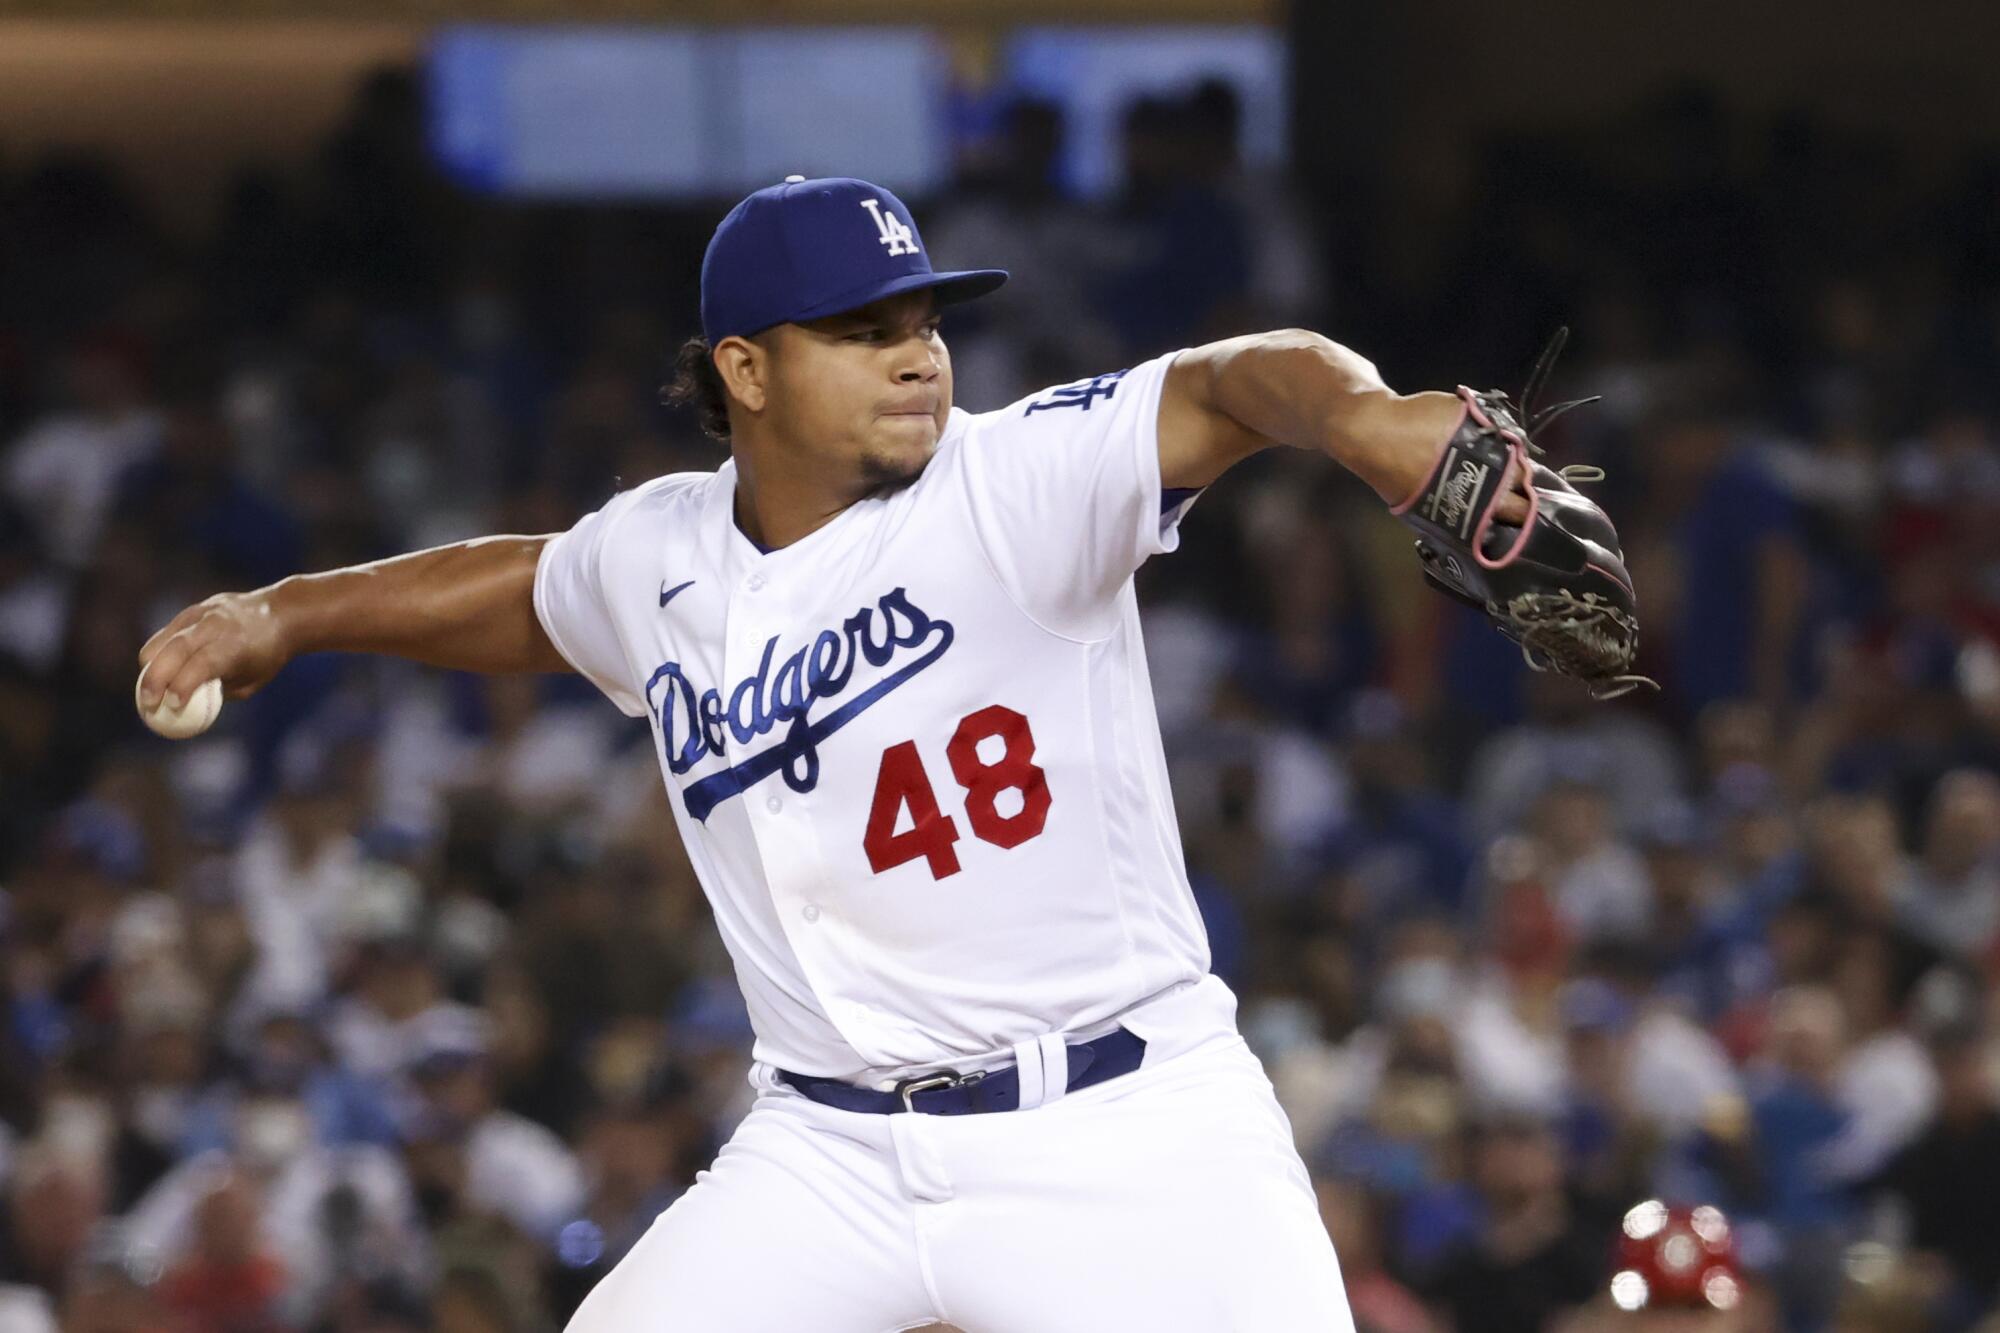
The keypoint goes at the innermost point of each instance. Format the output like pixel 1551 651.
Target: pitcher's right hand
pixel 232 637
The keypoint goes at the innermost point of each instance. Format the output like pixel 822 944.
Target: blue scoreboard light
pixel 639 112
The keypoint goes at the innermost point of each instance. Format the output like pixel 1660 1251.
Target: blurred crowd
pixel 393 1004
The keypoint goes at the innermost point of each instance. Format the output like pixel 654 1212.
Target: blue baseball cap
pixel 805 249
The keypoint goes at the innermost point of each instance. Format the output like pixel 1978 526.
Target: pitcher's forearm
pixel 468 606
pixel 1305 390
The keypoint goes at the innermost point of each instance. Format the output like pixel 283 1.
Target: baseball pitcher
pixel 890 657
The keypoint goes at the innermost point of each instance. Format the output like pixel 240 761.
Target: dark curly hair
pixel 697 383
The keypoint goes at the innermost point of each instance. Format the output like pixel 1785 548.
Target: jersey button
pixel 811 912
pixel 754 582
pixel 773 804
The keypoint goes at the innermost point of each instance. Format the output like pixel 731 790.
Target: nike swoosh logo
pixel 668 594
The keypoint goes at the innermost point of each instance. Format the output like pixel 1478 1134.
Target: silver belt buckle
pixel 910 1087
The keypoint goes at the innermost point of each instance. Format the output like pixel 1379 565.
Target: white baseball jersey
pixel 913 755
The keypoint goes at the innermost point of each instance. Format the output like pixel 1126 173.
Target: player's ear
pixel 744 367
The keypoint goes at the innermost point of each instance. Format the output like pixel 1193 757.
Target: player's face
pixel 867 391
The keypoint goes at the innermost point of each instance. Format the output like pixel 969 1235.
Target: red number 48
pixel 903 784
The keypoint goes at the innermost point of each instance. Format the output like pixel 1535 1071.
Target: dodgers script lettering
pixel 696 724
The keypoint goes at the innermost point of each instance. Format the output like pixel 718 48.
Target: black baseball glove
pixel 1557 584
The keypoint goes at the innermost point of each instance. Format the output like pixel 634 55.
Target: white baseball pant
pixel 1169 1199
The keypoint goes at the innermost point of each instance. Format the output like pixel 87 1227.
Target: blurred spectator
pixel 1385 1106
pixel 379 1028
pixel 287 1057
pixel 507 1165
pixel 56 1196
pixel 1886 1083
pixel 1611 1140
pixel 1403 849
pixel 1379 1302
pixel 64 470
pixel 1948 1181
pixel 1703 940
pixel 34 597
pixel 164 1068
pixel 228 1281
pixel 1566 737
pixel 1742 574
pixel 1324 647
pixel 1600 884
pixel 1953 898
pixel 328 1214
pixel 1186 243
pixel 1529 1256
pixel 1287 285
pixel 1854 852
pixel 188 498
pixel 634 1151
pixel 1797 1118
pixel 1675 1072
pixel 1010 208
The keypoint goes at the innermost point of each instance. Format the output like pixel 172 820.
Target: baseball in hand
pixel 193 718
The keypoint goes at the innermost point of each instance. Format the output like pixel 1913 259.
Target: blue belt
pixel 945 1093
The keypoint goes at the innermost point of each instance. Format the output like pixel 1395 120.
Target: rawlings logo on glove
pixel 1450 505
pixel 1557 584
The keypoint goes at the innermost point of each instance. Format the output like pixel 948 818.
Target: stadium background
pixel 392 1004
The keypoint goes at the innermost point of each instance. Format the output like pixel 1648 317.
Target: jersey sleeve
pixel 1064 488
pixel 575 613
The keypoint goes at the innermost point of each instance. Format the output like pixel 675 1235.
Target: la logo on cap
pixel 890 229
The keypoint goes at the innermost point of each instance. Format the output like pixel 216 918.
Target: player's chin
pixel 898 453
